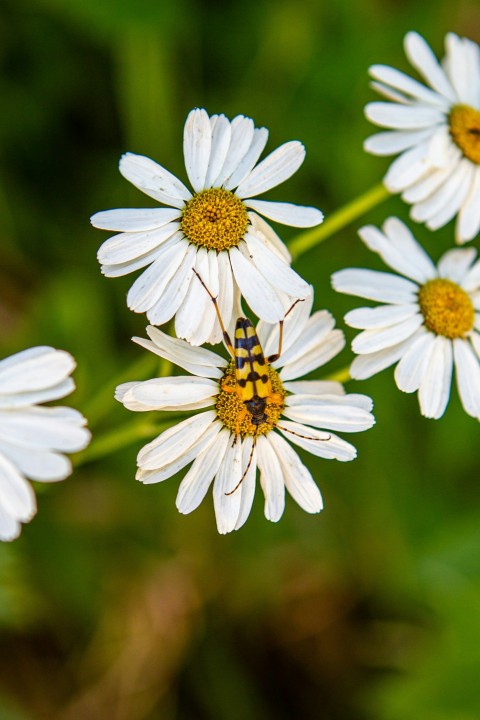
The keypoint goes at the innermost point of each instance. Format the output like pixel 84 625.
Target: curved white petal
pixel 380 317
pixel 392 142
pixel 152 179
pixel 126 247
pixel 375 285
pixel 398 248
pixel 227 504
pixel 134 220
pixel 275 271
pixel 247 488
pixel 259 294
pixel 196 482
pixel 364 366
pixel 455 264
pixel 174 442
pixel 269 235
pixel 242 134
pixel 370 341
pixel 298 479
pixel 196 315
pixel 40 465
pixel 172 392
pixel 16 496
pixel 329 413
pixel 402 117
pixel 38 368
pixel 247 163
pixel 467 369
pixel 321 444
pixel 422 58
pixel 150 285
pixel 407 85
pixel 319 355
pixel 53 428
pixel 197 143
pixel 414 363
pixel 468 223
pixel 198 361
pixel 434 391
pixel 277 167
pixel 287 213
pixel 221 136
pixel 271 478
pixel 175 290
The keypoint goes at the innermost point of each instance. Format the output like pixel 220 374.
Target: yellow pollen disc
pixel 447 308
pixel 233 412
pixel 215 219
pixel 465 130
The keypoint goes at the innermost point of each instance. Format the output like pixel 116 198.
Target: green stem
pixel 338 220
pixel 341 376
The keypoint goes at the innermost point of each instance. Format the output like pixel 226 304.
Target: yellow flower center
pixel 447 308
pixel 465 130
pixel 234 413
pixel 215 219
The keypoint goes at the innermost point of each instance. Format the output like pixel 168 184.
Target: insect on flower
pixel 249 406
pixel 254 382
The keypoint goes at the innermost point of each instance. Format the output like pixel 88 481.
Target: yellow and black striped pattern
pixel 252 378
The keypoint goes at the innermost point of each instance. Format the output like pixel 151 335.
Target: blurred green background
pixel 114 606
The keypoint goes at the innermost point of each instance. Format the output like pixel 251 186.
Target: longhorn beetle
pixel 252 381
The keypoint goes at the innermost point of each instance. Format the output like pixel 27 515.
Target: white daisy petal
pixel 365 366
pixel 242 135
pixel 455 200
pixel 412 366
pixel 40 465
pixel 247 488
pixel 430 183
pixel 298 480
pixel 320 354
pixel 259 294
pixel 175 442
pixel 245 166
pixel 314 387
pixel 198 361
pixel 380 317
pixel 370 341
pixel 134 220
pixel 175 290
pixel 293 326
pixel 152 179
pixel 268 234
pixel 407 85
pixel 197 143
pixel 271 478
pixel 149 287
pixel 23 399
pixel 471 281
pixel 275 271
pixel 9 527
pixel 287 213
pixel 173 392
pixel 321 444
pixel 225 296
pixel 126 268
pixel 38 368
pixel 395 141
pixel 277 167
pixel 17 496
pixel 196 315
pixel 226 503
pixel 467 369
pixel 196 482
pixel 408 168
pixel 422 58
pixel 53 428
pixel 398 248
pixel 221 136
pixel 165 471
pixel 468 224
pixel 455 264
pixel 434 391
pixel 126 247
pixel 329 413
pixel 315 330
pixel 374 285
pixel 401 117
pixel 462 63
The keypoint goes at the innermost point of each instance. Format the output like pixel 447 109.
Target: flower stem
pixel 341 376
pixel 338 220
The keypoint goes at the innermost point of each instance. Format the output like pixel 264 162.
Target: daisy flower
pixel 216 229
pixel 225 441
pixel 428 323
pixel 435 129
pixel 33 438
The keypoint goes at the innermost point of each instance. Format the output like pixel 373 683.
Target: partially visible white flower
pixel 217 230
pixel 219 439
pixel 33 438
pixel 435 129
pixel 429 321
